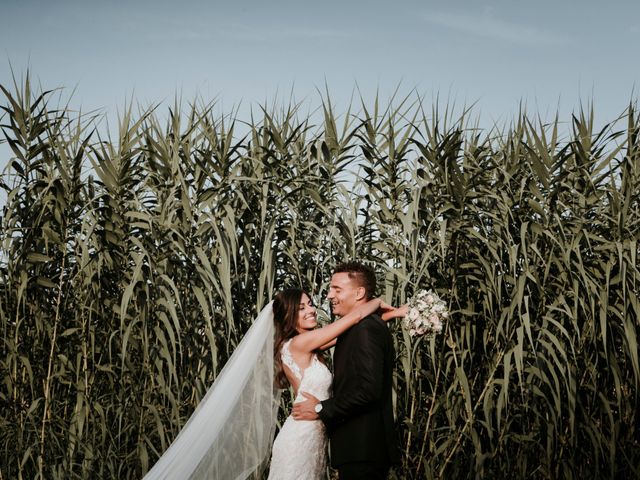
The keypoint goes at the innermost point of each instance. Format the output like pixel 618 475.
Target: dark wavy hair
pixel 286 305
pixel 363 274
pixel 285 317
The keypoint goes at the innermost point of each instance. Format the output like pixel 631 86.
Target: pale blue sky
pixel 549 54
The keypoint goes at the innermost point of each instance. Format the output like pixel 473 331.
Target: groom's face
pixel 344 294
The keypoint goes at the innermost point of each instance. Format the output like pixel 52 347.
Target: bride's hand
pixel 390 312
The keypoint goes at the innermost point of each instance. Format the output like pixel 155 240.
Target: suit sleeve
pixel 365 377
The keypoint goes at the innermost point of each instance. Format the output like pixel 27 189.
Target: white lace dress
pixel 300 448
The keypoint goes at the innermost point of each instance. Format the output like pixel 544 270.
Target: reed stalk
pixel 133 261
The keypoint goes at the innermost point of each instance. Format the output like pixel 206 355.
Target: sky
pixel 551 56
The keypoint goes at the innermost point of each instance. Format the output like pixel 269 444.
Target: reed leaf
pixel 133 261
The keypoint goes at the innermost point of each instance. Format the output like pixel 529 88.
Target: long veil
pixel 230 433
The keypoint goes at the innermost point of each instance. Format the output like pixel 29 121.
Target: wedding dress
pixel 300 448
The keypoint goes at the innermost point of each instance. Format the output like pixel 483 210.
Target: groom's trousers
pixel 363 471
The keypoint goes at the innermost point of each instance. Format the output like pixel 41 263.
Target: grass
pixel 133 264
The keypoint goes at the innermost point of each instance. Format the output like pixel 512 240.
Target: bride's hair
pixel 285 318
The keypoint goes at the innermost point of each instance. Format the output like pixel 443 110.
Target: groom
pixel 359 415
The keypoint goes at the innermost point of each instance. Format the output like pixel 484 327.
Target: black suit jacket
pixel 359 415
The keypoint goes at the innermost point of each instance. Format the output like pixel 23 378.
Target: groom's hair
pixel 362 274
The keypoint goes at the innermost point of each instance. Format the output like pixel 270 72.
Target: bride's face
pixel 307 319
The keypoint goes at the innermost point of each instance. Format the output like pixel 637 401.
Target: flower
pixel 426 314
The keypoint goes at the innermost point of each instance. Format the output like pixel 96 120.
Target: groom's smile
pixel 344 294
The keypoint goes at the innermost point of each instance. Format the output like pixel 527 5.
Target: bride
pixel 297 341
pixel 229 434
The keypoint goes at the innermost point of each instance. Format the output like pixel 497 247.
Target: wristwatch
pixel 318 408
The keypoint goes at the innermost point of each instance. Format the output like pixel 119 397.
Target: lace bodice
pixel 315 379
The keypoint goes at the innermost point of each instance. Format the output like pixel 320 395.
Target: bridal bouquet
pixel 426 314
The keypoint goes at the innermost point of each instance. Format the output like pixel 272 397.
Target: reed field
pixel 132 263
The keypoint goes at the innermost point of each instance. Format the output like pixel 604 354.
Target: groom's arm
pixel 364 376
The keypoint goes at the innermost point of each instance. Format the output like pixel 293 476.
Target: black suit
pixel 359 415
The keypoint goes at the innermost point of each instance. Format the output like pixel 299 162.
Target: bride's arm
pixel 392 312
pixel 314 339
pixel 328 345
pixel 389 313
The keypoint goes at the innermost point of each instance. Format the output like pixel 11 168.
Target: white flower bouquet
pixel 426 314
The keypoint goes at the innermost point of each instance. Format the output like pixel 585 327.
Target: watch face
pixel 318 407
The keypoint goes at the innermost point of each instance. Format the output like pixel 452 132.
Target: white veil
pixel 231 431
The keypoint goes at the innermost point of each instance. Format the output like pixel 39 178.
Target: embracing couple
pixel 230 434
pixel 355 408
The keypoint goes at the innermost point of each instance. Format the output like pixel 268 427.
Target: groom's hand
pixel 305 410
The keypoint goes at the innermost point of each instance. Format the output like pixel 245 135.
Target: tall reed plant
pixel 132 263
